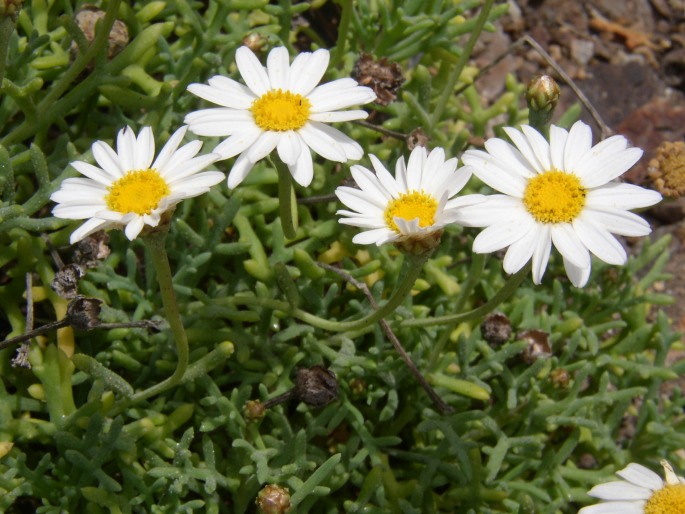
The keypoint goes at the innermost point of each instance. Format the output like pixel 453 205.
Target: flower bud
pixel 254 410
pixel 273 499
pixel 560 378
pixel 10 8
pixel 542 96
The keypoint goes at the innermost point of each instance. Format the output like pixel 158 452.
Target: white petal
pixel 198 183
pixel 360 201
pixel 614 508
pixel 620 490
pixel 362 222
pixel 541 251
pixel 134 227
pixel 252 71
pixel 321 142
pixel 599 171
pixel 521 251
pixel 190 167
pixel 492 211
pixel 239 171
pixel 289 147
pixel 89 227
pixel 524 146
pixel 76 211
pixel 599 241
pixel 338 116
pixel 620 222
pixel 610 146
pixel 169 148
pixel 578 143
pixel 506 157
pixel 577 276
pixel 557 144
pixel 369 183
pixel 264 145
pixel 498 178
pixel 378 236
pixel 401 173
pixel 328 97
pixel 145 149
pixel 642 476
pixel 126 148
pixel 303 170
pixel 501 235
pixel 539 145
pixel 384 177
pixel 235 96
pixel 415 166
pixel 94 173
pixel 278 68
pixel 237 143
pixel 569 245
pixel 304 76
pixel 621 196
pixel 108 159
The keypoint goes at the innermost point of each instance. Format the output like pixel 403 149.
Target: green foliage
pixel 253 301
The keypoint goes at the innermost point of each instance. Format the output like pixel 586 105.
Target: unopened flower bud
pixel 667 169
pixel 538 345
pixel 83 313
pixel 273 499
pixel 496 328
pixel 542 96
pixel 560 378
pixel 253 410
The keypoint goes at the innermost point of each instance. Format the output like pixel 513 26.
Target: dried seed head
pixel 538 345
pixel 273 499
pixel 560 378
pixel 93 248
pixel 66 280
pixel 384 77
pixel 316 386
pixel 667 169
pixel 253 410
pixel 417 137
pixel 83 313
pixel 496 328
pixel 86 19
pixel 21 360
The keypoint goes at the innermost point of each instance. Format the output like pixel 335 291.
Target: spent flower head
pixel 640 492
pixel 413 205
pixel 560 193
pixel 129 189
pixel 280 107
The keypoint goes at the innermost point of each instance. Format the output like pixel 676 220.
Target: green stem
pixel 461 63
pixel 6 31
pixel 156 244
pixel 343 30
pixel 287 203
pixel 415 266
pixel 502 295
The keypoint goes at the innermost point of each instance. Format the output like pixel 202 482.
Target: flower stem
pixel 287 203
pixel 343 31
pixel 414 267
pixel 156 244
pixel 502 295
pixel 461 63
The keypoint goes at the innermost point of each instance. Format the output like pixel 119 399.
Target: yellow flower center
pixel 409 206
pixel 138 191
pixel 280 111
pixel 668 500
pixel 554 197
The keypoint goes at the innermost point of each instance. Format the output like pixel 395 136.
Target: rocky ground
pixel 628 58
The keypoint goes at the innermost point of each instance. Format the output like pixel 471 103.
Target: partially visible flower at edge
pixel 130 190
pixel 281 107
pixel 640 492
pixel 413 205
pixel 560 193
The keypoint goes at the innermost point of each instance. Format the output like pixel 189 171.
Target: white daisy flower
pixel 281 107
pixel 640 492
pixel 413 205
pixel 128 188
pixel 560 193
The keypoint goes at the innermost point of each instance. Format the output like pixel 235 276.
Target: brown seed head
pixel 384 77
pixel 273 499
pixel 496 328
pixel 667 169
pixel 538 345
